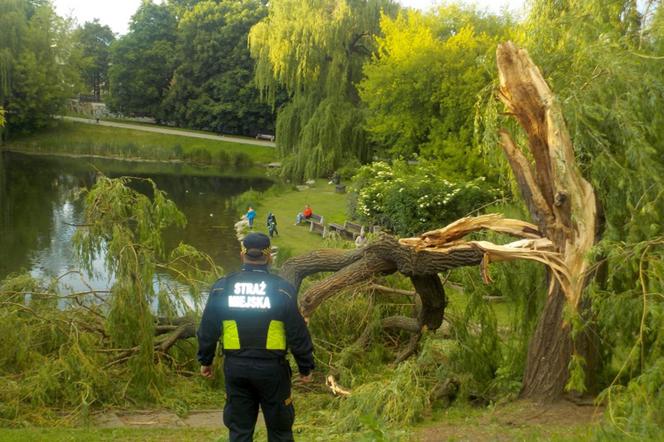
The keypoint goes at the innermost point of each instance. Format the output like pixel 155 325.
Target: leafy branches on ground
pixel 115 347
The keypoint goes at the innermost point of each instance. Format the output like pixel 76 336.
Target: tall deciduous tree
pixel 602 61
pixel 94 41
pixel 143 62
pixel 213 86
pixel 35 73
pixel 315 50
pixel 422 84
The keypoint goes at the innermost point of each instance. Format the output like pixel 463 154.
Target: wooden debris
pixel 337 390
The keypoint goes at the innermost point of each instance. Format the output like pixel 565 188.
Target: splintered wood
pixel 337 390
pixel 533 246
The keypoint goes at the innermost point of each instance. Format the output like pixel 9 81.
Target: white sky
pixel 116 13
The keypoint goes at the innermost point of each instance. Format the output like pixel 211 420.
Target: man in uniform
pixel 257 315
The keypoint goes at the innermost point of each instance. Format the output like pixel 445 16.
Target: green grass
pixel 287 204
pixel 162 126
pixel 81 138
pixel 113 434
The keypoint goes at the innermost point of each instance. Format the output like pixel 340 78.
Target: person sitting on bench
pixel 305 214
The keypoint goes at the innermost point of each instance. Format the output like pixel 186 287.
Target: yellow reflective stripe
pixel 276 336
pixel 231 336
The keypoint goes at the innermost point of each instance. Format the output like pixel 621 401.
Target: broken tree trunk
pixel 563 205
pixel 421 259
pixel 560 201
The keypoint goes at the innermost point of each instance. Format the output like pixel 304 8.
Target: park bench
pixel 267 137
pixel 349 230
pixel 340 230
pixel 314 219
pixel 354 228
pixel 317 227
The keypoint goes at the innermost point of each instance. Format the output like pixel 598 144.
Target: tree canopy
pixel 143 62
pixel 37 65
pixel 213 86
pixel 423 82
pixel 315 51
pixel 94 41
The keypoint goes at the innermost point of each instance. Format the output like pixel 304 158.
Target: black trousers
pixel 252 382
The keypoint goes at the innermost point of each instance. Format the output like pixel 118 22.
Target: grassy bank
pixel 86 139
pixel 286 204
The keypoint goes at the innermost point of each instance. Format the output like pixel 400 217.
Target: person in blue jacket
pixel 251 214
pixel 256 315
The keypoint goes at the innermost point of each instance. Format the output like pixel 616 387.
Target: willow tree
pixel 36 59
pixel 315 52
pixel 562 204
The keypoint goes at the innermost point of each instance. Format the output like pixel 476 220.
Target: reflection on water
pixel 39 211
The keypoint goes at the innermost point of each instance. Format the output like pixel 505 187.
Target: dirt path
pixel 517 421
pixel 177 132
pixel 158 419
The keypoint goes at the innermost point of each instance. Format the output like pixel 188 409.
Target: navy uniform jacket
pixel 256 315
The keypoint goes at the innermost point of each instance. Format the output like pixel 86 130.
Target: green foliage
pixel 422 83
pixel 603 62
pixel 84 349
pixel 128 226
pixel 630 312
pixel 93 40
pixel 36 57
pixel 213 85
pixel 409 199
pixel 86 139
pixel 142 62
pixel 315 52
pixel 401 397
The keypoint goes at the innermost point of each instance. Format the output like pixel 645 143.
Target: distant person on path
pixel 305 214
pixel 272 225
pixel 251 214
pixel 256 315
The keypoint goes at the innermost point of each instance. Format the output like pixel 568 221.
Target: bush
pixel 413 199
pixel 242 160
pixel 177 151
pixel 200 156
pixel 223 158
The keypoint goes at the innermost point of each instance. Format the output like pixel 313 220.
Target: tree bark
pixel 560 201
pixel 421 259
pixel 564 207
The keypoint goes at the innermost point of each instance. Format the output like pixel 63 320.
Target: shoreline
pixel 7 148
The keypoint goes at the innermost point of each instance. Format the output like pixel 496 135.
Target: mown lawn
pixel 287 204
pixel 80 138
pixel 113 434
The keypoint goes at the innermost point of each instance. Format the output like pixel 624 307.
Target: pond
pixel 39 209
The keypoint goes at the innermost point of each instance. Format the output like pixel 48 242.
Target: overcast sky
pixel 116 13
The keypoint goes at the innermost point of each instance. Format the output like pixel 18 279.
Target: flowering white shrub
pixel 411 199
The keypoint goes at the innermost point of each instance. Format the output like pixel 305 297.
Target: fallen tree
pixel 561 203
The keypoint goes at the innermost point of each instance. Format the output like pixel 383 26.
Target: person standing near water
pixel 251 214
pixel 272 225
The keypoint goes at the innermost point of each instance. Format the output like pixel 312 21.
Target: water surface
pixel 39 208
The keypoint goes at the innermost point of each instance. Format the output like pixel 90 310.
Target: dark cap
pixel 256 245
